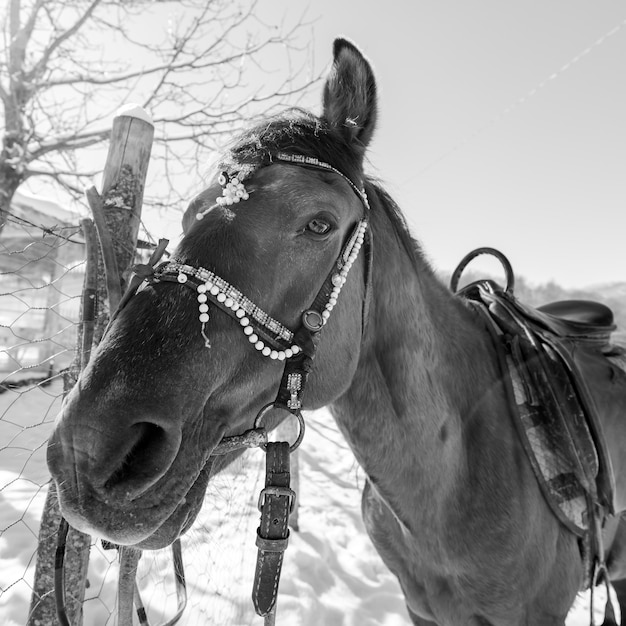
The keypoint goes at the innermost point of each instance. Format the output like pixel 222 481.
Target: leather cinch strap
pixel 276 502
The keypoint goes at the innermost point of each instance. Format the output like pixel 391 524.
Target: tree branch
pixel 40 66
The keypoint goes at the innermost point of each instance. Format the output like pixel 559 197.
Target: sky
pixel 500 124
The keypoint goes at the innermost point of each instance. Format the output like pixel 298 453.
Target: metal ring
pixel 298 414
pixel 508 270
pixel 313 320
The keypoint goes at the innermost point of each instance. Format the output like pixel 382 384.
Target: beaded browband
pixel 271 338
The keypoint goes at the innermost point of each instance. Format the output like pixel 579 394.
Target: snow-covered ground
pixel 331 577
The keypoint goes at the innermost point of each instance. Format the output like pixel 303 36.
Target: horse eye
pixel 319 226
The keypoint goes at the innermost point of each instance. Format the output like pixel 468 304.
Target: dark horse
pixel 410 373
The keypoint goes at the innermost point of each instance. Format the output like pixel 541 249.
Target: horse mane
pixel 380 200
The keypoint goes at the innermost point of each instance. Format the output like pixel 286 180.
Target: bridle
pixel 273 340
pixel 278 343
pixel 268 336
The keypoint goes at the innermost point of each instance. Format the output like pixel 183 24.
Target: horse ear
pixel 350 94
pixel 189 219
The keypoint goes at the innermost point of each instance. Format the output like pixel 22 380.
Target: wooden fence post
pixel 117 221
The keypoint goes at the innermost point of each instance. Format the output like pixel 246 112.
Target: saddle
pixel 548 355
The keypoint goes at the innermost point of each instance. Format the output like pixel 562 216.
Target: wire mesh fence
pixel 42 271
pixel 41 275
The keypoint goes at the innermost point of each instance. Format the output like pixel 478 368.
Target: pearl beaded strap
pixel 349 257
pixel 210 286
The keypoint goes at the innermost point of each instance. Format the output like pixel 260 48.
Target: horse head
pixel 180 369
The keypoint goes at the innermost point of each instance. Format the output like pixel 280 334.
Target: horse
pixel 410 375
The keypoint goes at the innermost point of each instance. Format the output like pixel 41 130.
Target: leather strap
pixel 276 503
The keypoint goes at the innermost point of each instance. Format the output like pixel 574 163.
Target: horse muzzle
pixel 131 485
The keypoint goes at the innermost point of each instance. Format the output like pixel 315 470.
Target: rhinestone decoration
pixel 227 295
pixel 294 385
pixel 300 159
pixel 246 312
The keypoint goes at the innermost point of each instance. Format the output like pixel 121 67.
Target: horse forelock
pixel 296 132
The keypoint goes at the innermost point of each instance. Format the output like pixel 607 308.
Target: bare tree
pixel 200 67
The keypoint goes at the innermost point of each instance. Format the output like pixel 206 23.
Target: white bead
pixel 204 317
pixel 199 216
pixel 215 290
pixel 244 321
pixel 235 199
pixel 234 306
pixel 259 345
pixel 229 303
pixel 266 351
pixel 281 355
pixel 201 289
pixel 203 308
pixel 325 315
pixel 234 182
pixel 329 307
pixel 240 313
pixel 273 355
pixel 295 349
pixel 253 338
pixel 221 297
pixel 248 330
pixel 202 297
pixel 245 195
pixel 288 353
pixel 182 278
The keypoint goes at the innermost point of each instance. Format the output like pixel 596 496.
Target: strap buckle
pixel 277 491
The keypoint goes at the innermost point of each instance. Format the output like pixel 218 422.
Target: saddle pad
pixel 553 452
pixel 547 413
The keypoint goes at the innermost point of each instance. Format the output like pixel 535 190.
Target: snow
pixel 331 576
pixel 134 110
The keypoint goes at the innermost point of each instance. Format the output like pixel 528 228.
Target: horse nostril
pixel 150 452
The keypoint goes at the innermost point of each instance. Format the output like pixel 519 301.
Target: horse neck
pixel 418 380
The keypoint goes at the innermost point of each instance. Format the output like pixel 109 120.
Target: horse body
pixel 451 502
pixel 464 526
